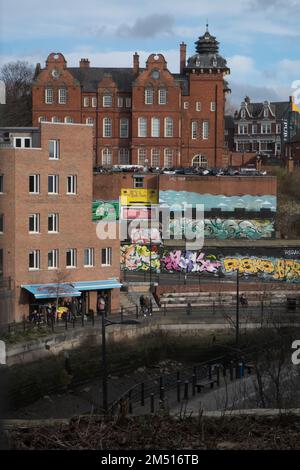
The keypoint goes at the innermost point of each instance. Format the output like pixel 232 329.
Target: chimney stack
pixel 84 63
pixel 182 56
pixel 136 64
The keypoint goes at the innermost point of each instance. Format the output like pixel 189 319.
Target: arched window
pixel 42 119
pixel 89 120
pixel 55 119
pixel 142 127
pixel 200 161
pixel 106 157
pixel 107 127
pixel 149 95
pixel 124 156
pixel 69 120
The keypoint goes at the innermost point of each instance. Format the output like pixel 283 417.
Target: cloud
pixel 257 93
pixel 148 27
pixel 287 5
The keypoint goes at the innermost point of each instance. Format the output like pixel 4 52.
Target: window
pixel 128 102
pixel 243 129
pixel 69 120
pixel 88 257
pixel 34 259
pixel 266 112
pixel 124 156
pixel 278 148
pixel 1 183
pixel 49 95
pixel 278 128
pixel 107 100
pixel 107 127
pixel 52 259
pixel 34 223
pixel 53 223
pixel 86 101
pixel 42 119
pixel 106 157
pixel 149 95
pixel 155 127
pixel 22 142
pixel 168 158
pixel 124 125
pixel 52 184
pixel 1 223
pixel 185 105
pixel 254 129
pixel 71 184
pixel 34 184
pixel 198 106
pixel 213 106
pixel 62 95
pixel 162 96
pixel 71 258
pixel 205 130
pixel 55 119
pixel 120 102
pixel 106 256
pixel 243 114
pixel 138 182
pixel 90 121
pixel 168 127
pixel 155 157
pixel 200 161
pixel 94 102
pixel 53 149
pixel 266 128
pixel 194 130
pixel 142 155
pixel 142 127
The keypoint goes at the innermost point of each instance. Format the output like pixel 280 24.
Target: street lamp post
pixel 237 330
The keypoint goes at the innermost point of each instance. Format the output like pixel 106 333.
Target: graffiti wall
pixel 224 229
pixel 206 263
pixel 105 210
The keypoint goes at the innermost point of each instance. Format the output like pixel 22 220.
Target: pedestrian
pixel 101 305
pixel 189 308
pixel 147 306
pixel 243 300
pixel 74 310
pixel 142 304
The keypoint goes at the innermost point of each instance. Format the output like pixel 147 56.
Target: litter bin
pixel 291 303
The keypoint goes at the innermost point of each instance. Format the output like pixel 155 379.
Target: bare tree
pixel 18 77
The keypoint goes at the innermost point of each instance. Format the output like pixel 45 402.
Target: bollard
pixel 194 384
pixel 186 390
pixel 142 394
pixel 152 403
pixel 178 390
pixel 130 402
pixel 231 370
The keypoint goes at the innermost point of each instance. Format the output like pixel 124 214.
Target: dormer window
pixel 266 112
pixel 149 95
pixel 243 113
pixel 107 100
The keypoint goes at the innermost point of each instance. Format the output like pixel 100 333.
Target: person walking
pixel 142 305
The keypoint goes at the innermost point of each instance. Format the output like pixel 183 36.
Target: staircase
pixel 130 297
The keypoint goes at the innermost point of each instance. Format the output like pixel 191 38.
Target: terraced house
pixel 146 116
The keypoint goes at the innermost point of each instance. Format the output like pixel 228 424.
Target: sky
pixel 259 38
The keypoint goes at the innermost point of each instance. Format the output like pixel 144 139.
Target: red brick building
pixel 146 116
pixel 46 232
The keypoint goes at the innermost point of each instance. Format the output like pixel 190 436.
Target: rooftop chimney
pixel 136 64
pixel 84 63
pixel 182 56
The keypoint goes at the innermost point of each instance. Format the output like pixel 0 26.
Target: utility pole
pixel 237 306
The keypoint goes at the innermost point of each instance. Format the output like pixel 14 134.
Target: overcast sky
pixel 259 38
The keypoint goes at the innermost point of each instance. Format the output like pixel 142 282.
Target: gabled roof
pixel 279 108
pixel 90 77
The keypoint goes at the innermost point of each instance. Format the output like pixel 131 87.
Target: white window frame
pixel 69 120
pixel 213 106
pixel 124 156
pixel 55 183
pixel 124 128
pixel 155 127
pixel 254 129
pixel 53 261
pixel 198 106
pixel 36 223
pixel 194 130
pixel 106 156
pixel 107 100
pixel 243 113
pixel 73 258
pixel 108 257
pixel 62 95
pixel 86 101
pixel 266 112
pixel 120 102
pixel 22 142
pixel 162 96
pixel 128 102
pixel 72 184
pixel 205 130
pixel 56 148
pixel 243 129
pixel 199 161
pixel 94 101
pixel 168 158
pixel 49 96
pixel 54 216
pixel 278 128
pixel 36 260
pixel 149 95
pixel 107 127
pixel 169 127
pixel 186 105
pixel 90 121
pixel 36 184
pixel 142 156
pixel 88 257
pixel 55 119
pixel 266 128
pixel 142 127
pixel 155 157
pixel 42 119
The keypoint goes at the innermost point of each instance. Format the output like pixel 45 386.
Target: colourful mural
pixel 225 203
pixel 225 229
pixel 105 210
pixel 145 235
pixel 137 258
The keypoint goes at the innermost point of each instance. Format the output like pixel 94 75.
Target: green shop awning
pixel 47 291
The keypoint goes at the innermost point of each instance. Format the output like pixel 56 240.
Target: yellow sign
pixel 142 197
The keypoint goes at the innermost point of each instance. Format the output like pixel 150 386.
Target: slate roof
pixel 279 108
